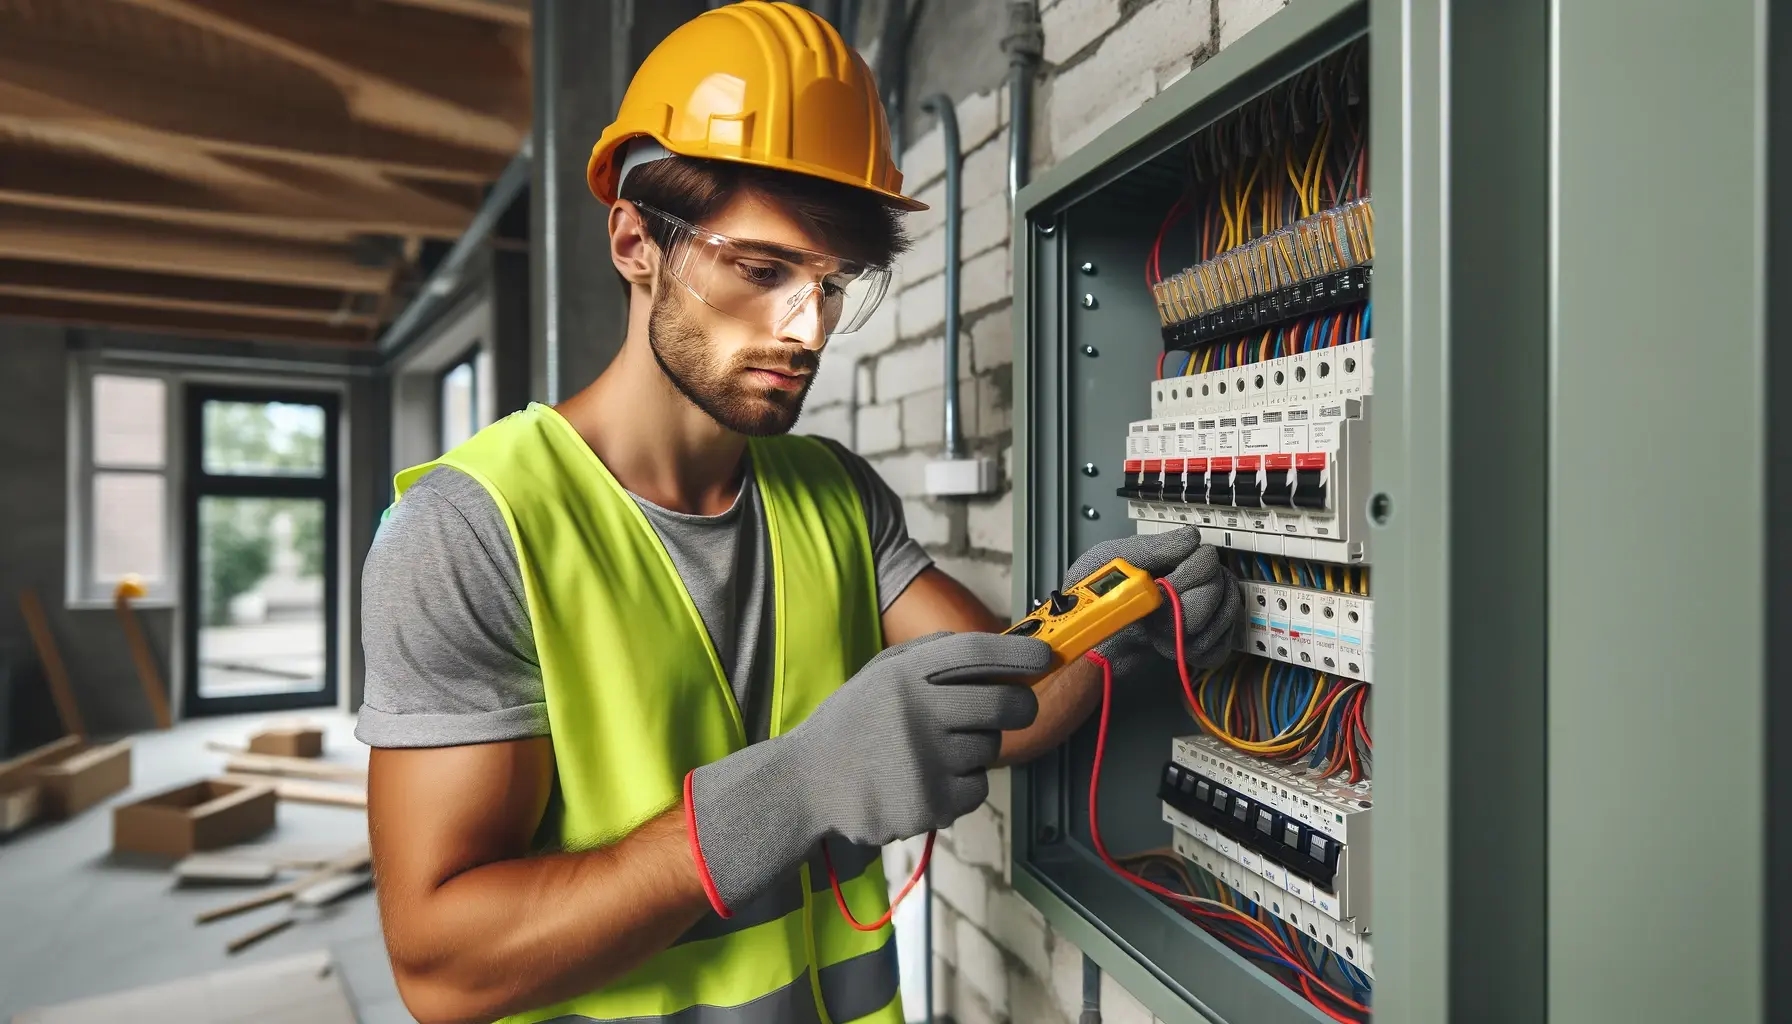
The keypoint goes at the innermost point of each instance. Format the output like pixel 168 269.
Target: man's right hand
pixel 901 748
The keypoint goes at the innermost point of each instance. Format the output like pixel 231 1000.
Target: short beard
pixel 682 348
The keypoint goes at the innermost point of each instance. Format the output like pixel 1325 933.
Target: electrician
pixel 622 654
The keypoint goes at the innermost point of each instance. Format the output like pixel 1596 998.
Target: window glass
pixel 460 403
pixel 128 527
pixel 129 421
pixel 263 439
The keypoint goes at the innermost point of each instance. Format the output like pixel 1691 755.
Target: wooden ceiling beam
pixel 318 206
pixel 187 324
pixel 194 125
pixel 102 286
pixel 504 12
pixel 440 96
pixel 60 237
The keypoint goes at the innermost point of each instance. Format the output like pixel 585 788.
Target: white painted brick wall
pixel 980 839
pixel 1121 74
pixel 1240 16
pixel 983 281
pixel 963 886
pixel 880 428
pixel 1071 25
pixel 926 524
pixel 910 370
pixel 992 339
pixel 991 523
pixel 981 966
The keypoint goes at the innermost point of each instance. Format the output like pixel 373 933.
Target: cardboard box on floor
pixel 289 741
pixel 205 815
pixel 68 776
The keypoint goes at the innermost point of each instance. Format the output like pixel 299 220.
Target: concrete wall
pixel 34 533
pixel 881 390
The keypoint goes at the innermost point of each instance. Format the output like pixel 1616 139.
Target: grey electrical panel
pixel 1560 311
pixel 1092 341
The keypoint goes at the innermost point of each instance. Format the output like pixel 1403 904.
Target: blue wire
pixel 1368 317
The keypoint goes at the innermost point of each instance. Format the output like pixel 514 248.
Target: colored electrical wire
pixel 1194 904
pixel 840 897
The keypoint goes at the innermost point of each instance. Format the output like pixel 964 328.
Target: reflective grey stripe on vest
pixel 850 861
pixel 852 988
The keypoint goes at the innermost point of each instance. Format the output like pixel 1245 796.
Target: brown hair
pixel 848 222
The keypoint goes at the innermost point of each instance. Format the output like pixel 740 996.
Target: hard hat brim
pixel 600 172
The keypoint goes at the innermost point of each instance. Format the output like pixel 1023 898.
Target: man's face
pixel 750 378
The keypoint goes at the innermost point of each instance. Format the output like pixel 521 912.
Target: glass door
pixel 261 550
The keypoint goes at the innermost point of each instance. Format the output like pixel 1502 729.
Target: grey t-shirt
pixel 450 656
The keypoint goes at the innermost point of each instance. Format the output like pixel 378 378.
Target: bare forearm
pixel 521 934
pixel 1066 697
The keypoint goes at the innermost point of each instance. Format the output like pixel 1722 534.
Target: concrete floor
pixel 76 921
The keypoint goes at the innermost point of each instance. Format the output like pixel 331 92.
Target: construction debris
pixel 296 767
pixel 223 869
pixel 198 816
pixel 289 741
pixel 356 859
pixel 299 792
pixel 68 776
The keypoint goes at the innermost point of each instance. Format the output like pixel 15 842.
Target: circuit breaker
pixel 1198 315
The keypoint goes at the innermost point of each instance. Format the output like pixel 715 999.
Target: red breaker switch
pixel 1278 481
pixel 1247 489
pixel 1310 480
pixel 1174 483
pixel 1129 478
pixel 1194 482
pixel 1219 480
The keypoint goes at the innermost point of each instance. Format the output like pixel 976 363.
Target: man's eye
pixel 760 274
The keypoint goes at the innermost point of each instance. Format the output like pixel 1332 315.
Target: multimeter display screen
pixel 1108 581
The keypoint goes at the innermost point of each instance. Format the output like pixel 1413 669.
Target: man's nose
pixel 803 323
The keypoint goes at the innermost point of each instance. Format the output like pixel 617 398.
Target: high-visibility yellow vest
pixel 636 698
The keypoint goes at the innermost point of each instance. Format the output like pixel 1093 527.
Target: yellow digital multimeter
pixel 1091 610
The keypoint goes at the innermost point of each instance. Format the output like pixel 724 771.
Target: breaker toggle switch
pixel 1129 478
pixel 1194 482
pixel 1247 491
pixel 1278 481
pixel 1219 480
pixel 1310 480
pixel 1151 480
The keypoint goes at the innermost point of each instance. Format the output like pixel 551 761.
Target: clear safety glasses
pixel 768 284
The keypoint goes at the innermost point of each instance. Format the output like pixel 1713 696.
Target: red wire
pixel 840 897
pixel 1095 777
pixel 1160 363
pixel 1101 738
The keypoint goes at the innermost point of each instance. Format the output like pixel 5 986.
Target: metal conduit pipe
pixel 941 105
pixel 446 277
pixel 892 65
pixel 1023 44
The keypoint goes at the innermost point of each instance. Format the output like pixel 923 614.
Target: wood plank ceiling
pixel 246 168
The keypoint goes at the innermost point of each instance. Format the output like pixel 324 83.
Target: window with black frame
pixel 459 397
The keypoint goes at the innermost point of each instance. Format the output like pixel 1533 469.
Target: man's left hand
pixel 1212 608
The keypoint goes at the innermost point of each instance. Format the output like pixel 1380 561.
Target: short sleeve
pixel 450 657
pixel 899 557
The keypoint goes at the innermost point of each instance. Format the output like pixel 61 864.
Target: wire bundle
pixel 1286 713
pixel 1298 572
pixel 1298 957
pixel 1264 942
pixel 1293 152
pixel 1309 334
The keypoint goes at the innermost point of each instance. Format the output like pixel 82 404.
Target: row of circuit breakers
pixel 1272 458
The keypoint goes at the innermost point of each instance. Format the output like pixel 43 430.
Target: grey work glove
pixel 1212 607
pixel 902 747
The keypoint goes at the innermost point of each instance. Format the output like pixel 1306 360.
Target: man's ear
pixel 631 247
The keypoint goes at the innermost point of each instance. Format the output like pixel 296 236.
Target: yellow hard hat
pixel 768 84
